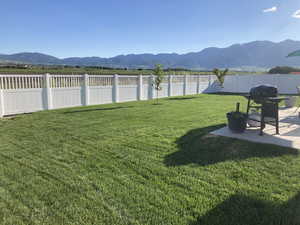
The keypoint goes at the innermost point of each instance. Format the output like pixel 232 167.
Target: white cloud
pixel 296 14
pixel 273 9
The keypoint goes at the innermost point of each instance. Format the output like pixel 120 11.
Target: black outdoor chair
pixel 264 100
pixel 268 115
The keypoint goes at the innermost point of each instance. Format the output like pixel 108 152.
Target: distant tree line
pixel 59 67
pixel 283 70
pixel 16 68
pixel 13 66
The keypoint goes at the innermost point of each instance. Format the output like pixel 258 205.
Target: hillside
pixel 253 55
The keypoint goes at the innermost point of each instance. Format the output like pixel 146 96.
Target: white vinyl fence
pixel 286 83
pixel 30 93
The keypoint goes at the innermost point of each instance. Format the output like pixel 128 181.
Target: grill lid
pixel 259 93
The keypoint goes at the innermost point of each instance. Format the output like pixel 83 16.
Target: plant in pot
pixel 237 121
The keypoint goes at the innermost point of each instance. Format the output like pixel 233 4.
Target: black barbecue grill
pixel 265 99
pixel 260 94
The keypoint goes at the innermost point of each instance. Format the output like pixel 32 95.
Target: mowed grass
pixel 139 163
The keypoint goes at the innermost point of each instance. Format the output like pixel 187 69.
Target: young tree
pixel 220 75
pixel 159 75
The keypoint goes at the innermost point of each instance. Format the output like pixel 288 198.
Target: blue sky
pixel 107 28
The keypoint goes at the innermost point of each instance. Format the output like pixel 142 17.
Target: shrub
pixel 283 70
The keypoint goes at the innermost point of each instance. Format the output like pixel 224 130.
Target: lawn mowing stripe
pixel 115 169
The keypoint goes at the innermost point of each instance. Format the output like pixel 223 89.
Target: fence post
pixel 1 102
pixel 170 88
pixel 116 88
pixel 86 89
pixel 1 98
pixel 151 86
pixel 48 91
pixel 185 85
pixel 140 87
pixel 198 84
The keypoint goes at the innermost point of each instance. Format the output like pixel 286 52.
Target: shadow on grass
pixel 157 103
pixel 240 209
pixel 101 109
pixel 199 147
pixel 229 93
pixel 180 98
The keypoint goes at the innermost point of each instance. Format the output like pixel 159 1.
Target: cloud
pixel 273 9
pixel 296 14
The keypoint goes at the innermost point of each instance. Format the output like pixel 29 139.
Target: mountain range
pixel 252 55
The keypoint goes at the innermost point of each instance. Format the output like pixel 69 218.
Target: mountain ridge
pixel 256 54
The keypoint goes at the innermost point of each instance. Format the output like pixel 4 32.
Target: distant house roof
pixel 297 73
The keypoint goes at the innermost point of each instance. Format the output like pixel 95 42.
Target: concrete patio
pixel 289 131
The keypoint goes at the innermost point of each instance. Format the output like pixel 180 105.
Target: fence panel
pixel 22 93
pixel 23 101
pixel 178 85
pixel 230 84
pixel 67 97
pixel 146 88
pixel 286 83
pixel 100 89
pixel 192 84
pixel 257 80
pixel 128 88
pixel 67 91
pixel 208 84
pixel 30 93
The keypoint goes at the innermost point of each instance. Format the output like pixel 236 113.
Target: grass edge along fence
pixel 29 93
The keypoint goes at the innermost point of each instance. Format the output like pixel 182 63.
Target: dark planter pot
pixel 237 122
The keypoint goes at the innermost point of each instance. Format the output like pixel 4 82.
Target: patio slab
pixel 289 131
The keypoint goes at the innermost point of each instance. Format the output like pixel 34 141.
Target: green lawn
pixel 139 163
